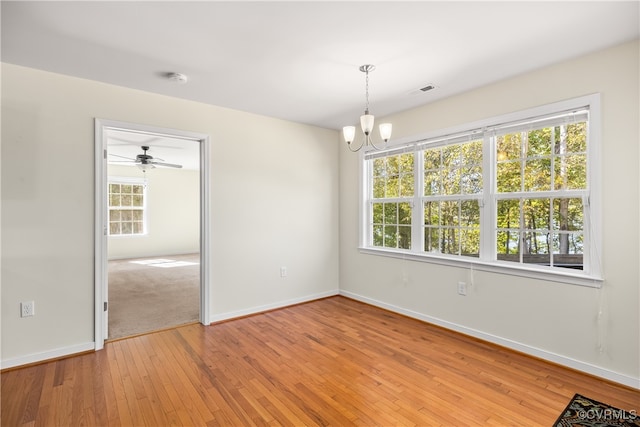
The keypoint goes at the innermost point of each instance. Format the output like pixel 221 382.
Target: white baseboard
pixel 514 345
pixel 47 355
pixel 262 308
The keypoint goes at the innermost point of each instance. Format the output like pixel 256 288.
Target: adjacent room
pixel 153 256
pixel 320 213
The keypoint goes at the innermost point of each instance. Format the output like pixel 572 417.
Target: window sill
pixel 499 267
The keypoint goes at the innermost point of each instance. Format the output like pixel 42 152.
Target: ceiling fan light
pixel 349 133
pixel 366 122
pixel 145 166
pixel 385 131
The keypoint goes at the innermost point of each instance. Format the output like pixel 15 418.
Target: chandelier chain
pixel 366 108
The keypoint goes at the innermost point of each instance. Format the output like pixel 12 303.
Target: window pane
pixel 136 200
pixel 378 235
pixel 508 214
pixel 126 228
pixel 536 243
pixel 393 166
pixel 431 239
pixel 570 172
pixel 114 215
pixel 432 159
pixel 390 236
pixel 378 187
pixel 137 215
pixel 576 137
pixel 126 189
pixel 574 243
pixel 404 237
pixel 508 147
pixel 114 228
pixel 406 185
pixel 471 180
pixel 472 153
pixel 470 242
pixel 392 186
pixel 537 175
pixel 508 179
pixel 508 245
pixel 138 189
pixel 404 213
pixel 450 214
pixel 406 162
pixel 470 213
pixel 539 142
pixel 573 257
pixel 379 167
pixel 451 156
pixel 138 227
pixel 536 214
pixel 390 213
pixel 568 215
pixel 450 180
pixel 431 183
pixel 450 241
pixel 431 213
pixel 378 213
pixel 114 188
pixel 114 200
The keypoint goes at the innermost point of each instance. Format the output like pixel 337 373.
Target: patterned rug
pixel 582 411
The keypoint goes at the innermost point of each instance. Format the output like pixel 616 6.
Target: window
pixel 514 192
pixel 393 189
pixel 452 191
pixel 126 207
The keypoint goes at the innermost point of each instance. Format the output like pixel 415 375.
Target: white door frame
pixel 101 217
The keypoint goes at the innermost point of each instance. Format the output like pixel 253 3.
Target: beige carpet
pixel 149 294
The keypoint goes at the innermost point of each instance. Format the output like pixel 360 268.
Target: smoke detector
pixel 177 77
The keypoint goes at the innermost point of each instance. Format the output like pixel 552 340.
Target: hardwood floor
pixel 330 362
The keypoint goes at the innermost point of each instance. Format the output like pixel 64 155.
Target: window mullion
pixel 417 218
pixel 488 202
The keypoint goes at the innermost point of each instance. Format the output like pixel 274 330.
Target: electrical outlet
pixel 27 309
pixel 462 288
pixel 283 271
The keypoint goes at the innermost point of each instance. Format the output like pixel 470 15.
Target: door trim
pixel 100 258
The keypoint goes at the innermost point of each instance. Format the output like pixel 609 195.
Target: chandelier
pixel 366 121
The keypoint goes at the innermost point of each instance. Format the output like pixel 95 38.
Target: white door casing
pixel 101 217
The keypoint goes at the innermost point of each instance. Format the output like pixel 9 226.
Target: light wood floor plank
pixel 332 362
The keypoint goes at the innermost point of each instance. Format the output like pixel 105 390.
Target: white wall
pixel 274 198
pixel 557 321
pixel 173 214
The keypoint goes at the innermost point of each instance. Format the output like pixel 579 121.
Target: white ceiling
pixel 299 60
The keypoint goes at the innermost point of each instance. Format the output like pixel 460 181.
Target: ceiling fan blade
pixel 122 157
pixel 168 165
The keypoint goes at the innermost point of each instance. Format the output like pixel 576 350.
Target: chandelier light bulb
pixel 366 123
pixel 385 131
pixel 349 133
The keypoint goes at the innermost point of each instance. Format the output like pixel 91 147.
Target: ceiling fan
pixel 145 161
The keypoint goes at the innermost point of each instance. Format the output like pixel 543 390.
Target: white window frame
pixel 591 275
pixel 134 181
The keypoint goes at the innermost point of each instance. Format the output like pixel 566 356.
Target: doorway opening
pixel 151 229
